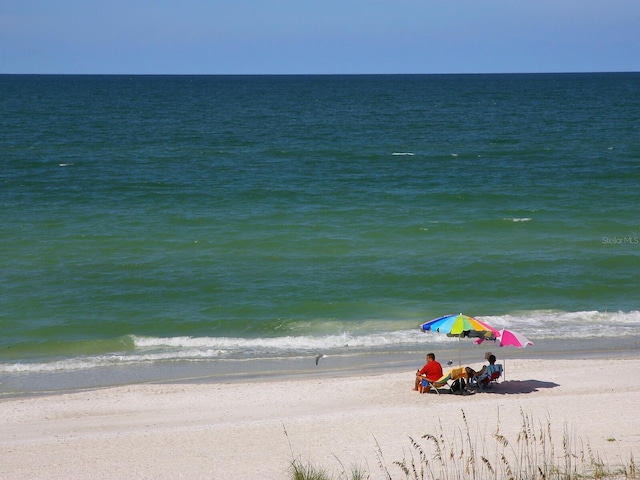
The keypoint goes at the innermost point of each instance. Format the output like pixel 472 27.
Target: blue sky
pixel 318 36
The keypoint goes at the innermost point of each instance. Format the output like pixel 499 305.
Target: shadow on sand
pixel 510 387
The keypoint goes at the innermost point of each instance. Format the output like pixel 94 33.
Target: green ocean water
pixel 149 219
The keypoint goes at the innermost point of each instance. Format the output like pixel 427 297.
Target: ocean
pixel 177 228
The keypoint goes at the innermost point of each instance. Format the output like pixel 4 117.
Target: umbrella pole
pixel 504 368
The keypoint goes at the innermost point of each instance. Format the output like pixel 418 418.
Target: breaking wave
pixel 375 336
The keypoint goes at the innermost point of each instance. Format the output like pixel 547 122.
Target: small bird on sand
pixel 318 357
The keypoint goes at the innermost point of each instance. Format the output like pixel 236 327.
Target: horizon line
pixel 321 74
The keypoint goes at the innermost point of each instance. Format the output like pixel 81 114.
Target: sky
pixel 318 36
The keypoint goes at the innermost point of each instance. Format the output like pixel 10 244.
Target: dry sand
pixel 237 431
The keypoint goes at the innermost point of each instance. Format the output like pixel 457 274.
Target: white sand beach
pixel 223 431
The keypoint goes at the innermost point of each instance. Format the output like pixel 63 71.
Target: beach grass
pixel 463 454
pixel 304 471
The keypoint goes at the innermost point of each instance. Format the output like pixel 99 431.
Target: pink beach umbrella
pixel 509 338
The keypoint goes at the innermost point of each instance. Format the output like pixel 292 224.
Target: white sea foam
pixel 522 219
pixel 94 361
pixel 159 349
pixel 403 154
pixel 569 325
pixel 369 336
pixel 287 343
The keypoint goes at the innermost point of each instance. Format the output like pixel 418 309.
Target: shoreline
pixel 337 363
pixel 254 429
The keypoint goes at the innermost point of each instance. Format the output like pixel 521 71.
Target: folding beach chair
pixel 444 383
pixel 491 375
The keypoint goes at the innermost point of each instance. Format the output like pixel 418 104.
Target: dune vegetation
pixel 464 454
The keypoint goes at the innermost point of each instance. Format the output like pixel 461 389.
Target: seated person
pixel 485 372
pixel 432 371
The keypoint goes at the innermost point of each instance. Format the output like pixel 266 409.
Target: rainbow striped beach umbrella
pixel 460 326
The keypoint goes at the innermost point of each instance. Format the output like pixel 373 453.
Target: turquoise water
pixel 154 219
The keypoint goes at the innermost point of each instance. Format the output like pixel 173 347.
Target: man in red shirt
pixel 431 371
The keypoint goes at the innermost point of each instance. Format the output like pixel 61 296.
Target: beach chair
pixel 491 375
pixel 444 383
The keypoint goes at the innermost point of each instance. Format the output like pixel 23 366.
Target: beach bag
pixel 457 386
